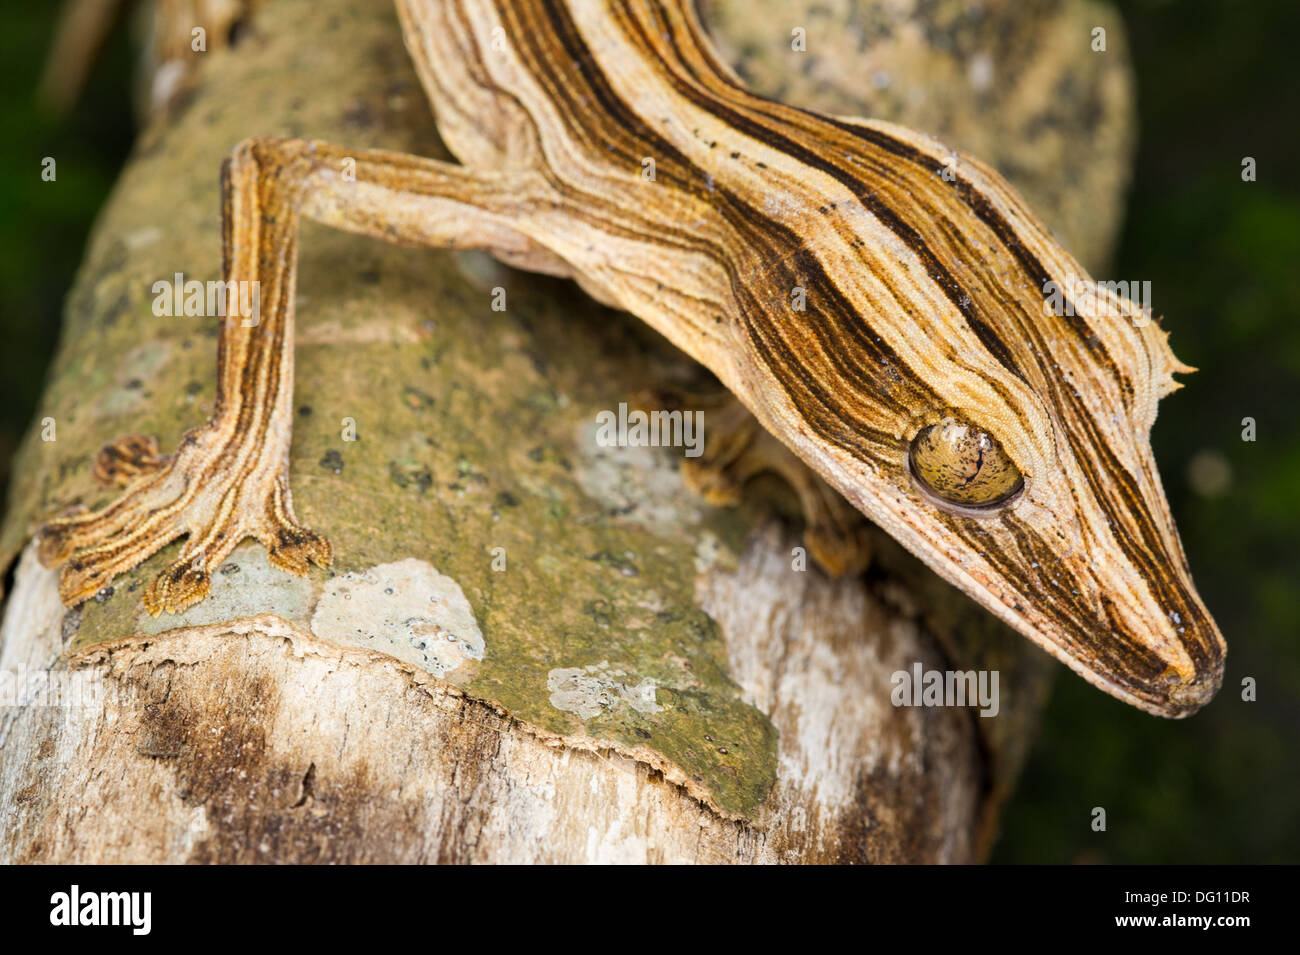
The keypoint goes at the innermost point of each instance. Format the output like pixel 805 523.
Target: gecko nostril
pixel 965 467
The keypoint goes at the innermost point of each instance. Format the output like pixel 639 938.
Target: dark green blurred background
pixel 1217 81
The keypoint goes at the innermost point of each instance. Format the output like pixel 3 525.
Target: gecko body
pixel 880 303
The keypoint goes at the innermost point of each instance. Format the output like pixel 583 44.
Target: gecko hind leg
pixel 229 479
pixel 737 448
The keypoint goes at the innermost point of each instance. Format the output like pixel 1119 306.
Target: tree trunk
pixel 530 648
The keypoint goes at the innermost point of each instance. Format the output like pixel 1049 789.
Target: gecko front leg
pixel 229 479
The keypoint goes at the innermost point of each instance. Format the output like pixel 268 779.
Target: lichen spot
pixel 405 609
pixel 600 690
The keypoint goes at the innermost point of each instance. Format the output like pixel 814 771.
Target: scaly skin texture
pixel 919 277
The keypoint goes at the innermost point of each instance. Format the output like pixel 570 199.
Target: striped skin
pixel 924 299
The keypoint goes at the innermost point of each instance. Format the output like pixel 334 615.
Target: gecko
pixel 888 309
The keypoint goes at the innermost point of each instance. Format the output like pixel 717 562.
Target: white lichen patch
pixel 600 690
pixel 405 609
pixel 640 485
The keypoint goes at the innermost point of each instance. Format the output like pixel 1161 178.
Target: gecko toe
pixel 715 485
pixel 836 535
pixel 93 565
pixel 295 549
pixel 58 539
pixel 180 585
pixel 289 545
pixel 79 580
pixel 839 549
pixel 124 459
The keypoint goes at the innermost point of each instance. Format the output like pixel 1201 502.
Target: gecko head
pixel 1040 498
pixel 1004 439
pixel 1028 480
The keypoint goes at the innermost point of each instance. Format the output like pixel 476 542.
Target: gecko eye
pixel 962 466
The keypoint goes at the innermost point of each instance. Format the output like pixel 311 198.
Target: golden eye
pixel 959 464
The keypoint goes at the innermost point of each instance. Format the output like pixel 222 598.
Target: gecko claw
pixel 296 555
pixel 78 582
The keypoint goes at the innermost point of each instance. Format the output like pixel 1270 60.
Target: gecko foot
pixel 215 491
pixel 737 448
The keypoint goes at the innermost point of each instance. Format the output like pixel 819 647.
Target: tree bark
pixel 645 678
